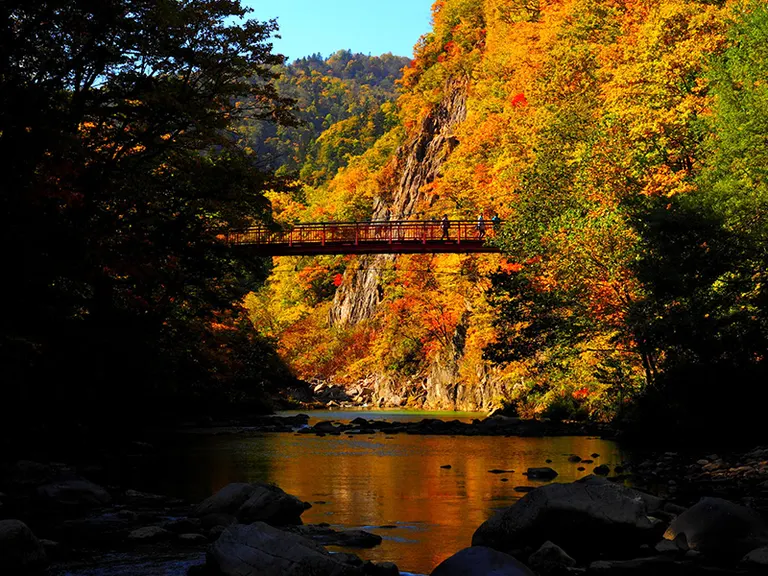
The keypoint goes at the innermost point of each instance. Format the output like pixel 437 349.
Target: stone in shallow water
pixel 720 528
pixel 192 539
pixel 587 516
pixel 481 561
pixel 261 550
pixel 758 558
pixel 227 500
pixel 550 559
pixel 327 536
pixel 544 473
pixel 70 493
pixel 21 553
pixel 252 503
pixel 149 534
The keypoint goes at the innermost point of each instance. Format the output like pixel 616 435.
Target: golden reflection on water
pixel 371 482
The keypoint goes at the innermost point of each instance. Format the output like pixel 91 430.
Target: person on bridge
pixel 446 226
pixel 480 227
pixel 496 221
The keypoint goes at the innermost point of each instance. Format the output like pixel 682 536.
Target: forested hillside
pixel 623 143
pixel 343 104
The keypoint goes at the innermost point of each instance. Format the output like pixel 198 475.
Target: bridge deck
pixel 374 237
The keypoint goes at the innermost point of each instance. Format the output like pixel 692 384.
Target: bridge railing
pixel 375 231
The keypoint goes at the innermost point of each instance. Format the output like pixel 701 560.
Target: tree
pixel 704 260
pixel 116 122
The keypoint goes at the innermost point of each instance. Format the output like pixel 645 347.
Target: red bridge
pixel 374 237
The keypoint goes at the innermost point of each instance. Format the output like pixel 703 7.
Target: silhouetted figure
pixel 496 221
pixel 446 226
pixel 480 227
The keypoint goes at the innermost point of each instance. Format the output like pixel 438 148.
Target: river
pixel 395 486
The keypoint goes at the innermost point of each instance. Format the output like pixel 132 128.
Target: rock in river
pixel 261 550
pixel 149 534
pixel 550 559
pixel 254 502
pixel 720 528
pixel 481 561
pixel 757 559
pixel 585 517
pixel 21 553
pixel 327 536
pixel 72 493
pixel 545 473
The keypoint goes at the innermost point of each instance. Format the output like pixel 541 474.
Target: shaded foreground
pixel 591 526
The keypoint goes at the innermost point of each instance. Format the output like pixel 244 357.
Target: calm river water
pixel 393 486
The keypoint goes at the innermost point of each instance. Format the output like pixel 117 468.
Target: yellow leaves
pixel 663 181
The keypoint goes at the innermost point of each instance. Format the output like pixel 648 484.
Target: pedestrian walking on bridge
pixel 480 227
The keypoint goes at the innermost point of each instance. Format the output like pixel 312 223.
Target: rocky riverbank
pixel 696 514
pixel 495 425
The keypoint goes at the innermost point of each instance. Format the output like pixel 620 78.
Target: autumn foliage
pixel 592 127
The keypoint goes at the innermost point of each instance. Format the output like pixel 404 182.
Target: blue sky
pixel 367 26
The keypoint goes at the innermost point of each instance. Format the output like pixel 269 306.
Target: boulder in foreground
pixel 255 502
pixel 720 528
pixel 586 517
pixel 481 561
pixel 261 550
pixel 21 553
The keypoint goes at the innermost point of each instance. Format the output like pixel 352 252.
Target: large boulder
pixel 21 553
pixel 261 550
pixel 720 528
pixel 73 493
pixel 327 536
pixel 757 559
pixel 255 502
pixel 586 517
pixel 270 504
pixel 481 561
pixel 226 501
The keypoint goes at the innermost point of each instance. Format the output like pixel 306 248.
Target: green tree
pixel 704 261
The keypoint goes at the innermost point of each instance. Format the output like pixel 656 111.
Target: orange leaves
pixel 580 393
pixel 510 267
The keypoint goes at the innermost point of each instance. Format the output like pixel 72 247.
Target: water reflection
pixel 372 482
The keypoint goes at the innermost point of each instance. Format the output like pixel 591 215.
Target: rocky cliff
pixel 437 386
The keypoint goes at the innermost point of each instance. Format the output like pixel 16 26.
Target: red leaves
pixel 519 100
